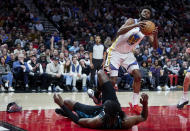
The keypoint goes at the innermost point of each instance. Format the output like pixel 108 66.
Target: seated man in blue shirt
pixel 21 70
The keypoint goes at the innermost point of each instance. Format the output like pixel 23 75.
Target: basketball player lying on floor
pixel 109 115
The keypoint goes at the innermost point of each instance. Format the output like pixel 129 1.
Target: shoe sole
pixel 182 105
pixel 94 99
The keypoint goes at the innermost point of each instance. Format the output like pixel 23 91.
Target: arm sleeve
pixel 29 66
pixel 16 65
pixel 41 69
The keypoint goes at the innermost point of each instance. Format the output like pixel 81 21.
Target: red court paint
pixel 161 118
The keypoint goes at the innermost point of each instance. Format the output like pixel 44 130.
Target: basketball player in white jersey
pixel 184 99
pixel 121 53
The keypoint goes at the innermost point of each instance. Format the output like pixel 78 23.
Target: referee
pixel 97 58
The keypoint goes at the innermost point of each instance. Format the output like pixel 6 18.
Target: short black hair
pixel 146 7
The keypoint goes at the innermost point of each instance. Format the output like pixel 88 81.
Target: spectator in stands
pixel 12 60
pixel 6 75
pixel 76 72
pixel 107 42
pixel 39 26
pixel 18 50
pixel 174 74
pixel 3 36
pixel 155 71
pixel 37 74
pixel 145 55
pixel 56 17
pixel 67 74
pixel 41 49
pixel 67 55
pixel 163 80
pixel 145 76
pixel 43 61
pixel 138 56
pixel 54 70
pixel 21 41
pixel 29 48
pixel 21 70
pixel 48 55
pixel 5 55
pixel 86 58
pixel 149 62
pixel 86 70
pixel 56 37
pixel 90 43
pixel 181 73
pixel 81 52
pixel 75 48
pixel 62 58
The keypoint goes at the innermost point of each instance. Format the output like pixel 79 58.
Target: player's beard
pixel 143 18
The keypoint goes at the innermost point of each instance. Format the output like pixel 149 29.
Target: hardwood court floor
pixel 38 111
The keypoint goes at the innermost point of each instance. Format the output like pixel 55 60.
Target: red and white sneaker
pixel 136 109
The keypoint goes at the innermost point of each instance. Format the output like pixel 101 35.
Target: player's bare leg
pixel 136 89
pixel 114 81
pixel 59 101
pixel 184 99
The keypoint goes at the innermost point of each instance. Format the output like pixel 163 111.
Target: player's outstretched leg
pixel 96 95
pixel 184 99
pixel 104 85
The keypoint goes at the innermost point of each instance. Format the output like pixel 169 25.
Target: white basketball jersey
pixel 126 43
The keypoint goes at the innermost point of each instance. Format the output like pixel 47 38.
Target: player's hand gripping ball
pixel 147 27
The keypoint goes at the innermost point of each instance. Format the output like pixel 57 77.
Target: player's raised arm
pixel 153 39
pixel 134 120
pixel 129 24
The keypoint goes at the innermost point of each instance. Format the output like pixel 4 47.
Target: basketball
pixel 149 28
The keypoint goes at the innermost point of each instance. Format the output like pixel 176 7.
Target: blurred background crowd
pixel 35 58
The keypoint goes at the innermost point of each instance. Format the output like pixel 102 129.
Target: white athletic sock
pixel 135 98
pixel 185 95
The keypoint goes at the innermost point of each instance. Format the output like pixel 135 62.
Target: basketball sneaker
pixel 57 88
pixel 182 103
pixel 2 89
pixel 95 96
pixel 13 107
pixel 74 89
pixel 136 109
pixel 11 89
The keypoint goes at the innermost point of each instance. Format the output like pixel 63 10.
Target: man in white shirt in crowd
pixel 76 72
pixel 39 26
pixel 54 70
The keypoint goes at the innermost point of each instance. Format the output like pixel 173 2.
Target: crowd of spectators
pixel 56 61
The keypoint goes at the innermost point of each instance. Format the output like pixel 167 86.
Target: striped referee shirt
pixel 97 51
